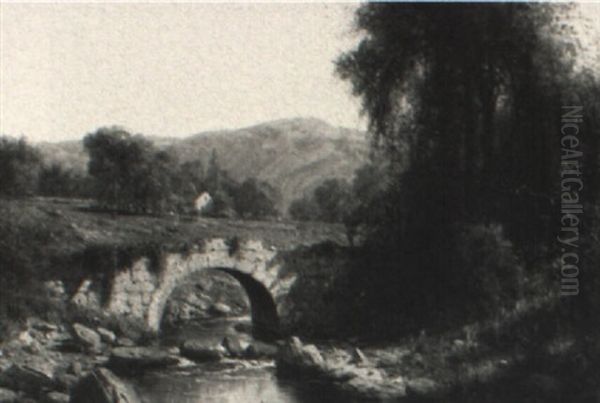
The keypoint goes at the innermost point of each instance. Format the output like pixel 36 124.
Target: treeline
pixel 355 204
pixel 23 173
pixel 128 174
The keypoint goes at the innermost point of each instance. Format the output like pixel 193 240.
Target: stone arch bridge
pixel 141 290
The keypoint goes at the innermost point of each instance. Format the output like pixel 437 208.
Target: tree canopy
pixel 131 174
pixel 463 100
pixel 19 167
pixel 464 104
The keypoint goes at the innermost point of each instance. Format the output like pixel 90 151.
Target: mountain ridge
pixel 293 155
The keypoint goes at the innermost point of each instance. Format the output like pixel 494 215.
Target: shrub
pixel 486 272
pixel 464 272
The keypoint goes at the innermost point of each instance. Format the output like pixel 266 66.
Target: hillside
pixel 293 155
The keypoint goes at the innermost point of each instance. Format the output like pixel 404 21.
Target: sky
pixel 176 69
pixel 170 69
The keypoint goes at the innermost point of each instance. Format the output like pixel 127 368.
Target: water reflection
pixel 229 381
pixel 209 385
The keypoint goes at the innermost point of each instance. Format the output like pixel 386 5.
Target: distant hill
pixel 293 155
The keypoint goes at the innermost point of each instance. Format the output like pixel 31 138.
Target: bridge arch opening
pixel 263 310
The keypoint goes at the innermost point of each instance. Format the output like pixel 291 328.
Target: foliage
pixel 332 197
pixel 19 167
pixel 132 175
pixel 464 273
pixel 361 205
pixel 190 179
pixel 23 173
pixel 461 99
pixel 21 270
pixel 55 180
pixel 368 200
pixel 303 209
pixel 329 202
pixel 464 103
pixel 129 174
pixel 486 274
pixel 251 199
pixel 221 188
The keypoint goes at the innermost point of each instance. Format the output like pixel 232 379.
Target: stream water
pixel 228 381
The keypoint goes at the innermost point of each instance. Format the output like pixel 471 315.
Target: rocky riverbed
pixel 57 363
pixel 76 363
pixel 73 362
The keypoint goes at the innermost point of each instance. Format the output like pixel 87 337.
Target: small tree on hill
pixel 332 198
pixel 129 174
pixel 304 209
pixel 252 200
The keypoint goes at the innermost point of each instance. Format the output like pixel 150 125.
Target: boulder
pixel 260 350
pixel 295 356
pixel 42 325
pixel 65 382
pixel 139 359
pixel 374 386
pixel 55 289
pixel 220 309
pixel 364 381
pixel 198 351
pixel 87 337
pixel 359 358
pixel 234 346
pixel 243 327
pixel 421 388
pixel 8 396
pixel 29 342
pixel 31 380
pixel 76 368
pixel 56 397
pixel 125 342
pixel 106 335
pixel 102 386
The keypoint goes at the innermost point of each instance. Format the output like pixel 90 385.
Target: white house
pixel 203 202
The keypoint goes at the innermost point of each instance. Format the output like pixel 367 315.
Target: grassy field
pixel 64 226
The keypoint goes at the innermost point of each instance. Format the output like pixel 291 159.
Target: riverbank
pixel 525 355
pixel 484 362
pixel 48 362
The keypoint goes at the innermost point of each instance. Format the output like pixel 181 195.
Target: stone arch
pixel 265 320
pixel 263 310
pixel 251 265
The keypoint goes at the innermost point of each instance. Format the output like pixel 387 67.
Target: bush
pixel 486 272
pixel 464 272
pixel 303 209
pixel 329 202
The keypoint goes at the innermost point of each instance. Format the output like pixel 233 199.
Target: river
pixel 228 381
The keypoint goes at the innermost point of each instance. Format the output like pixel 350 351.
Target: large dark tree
pixel 464 103
pixel 464 100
